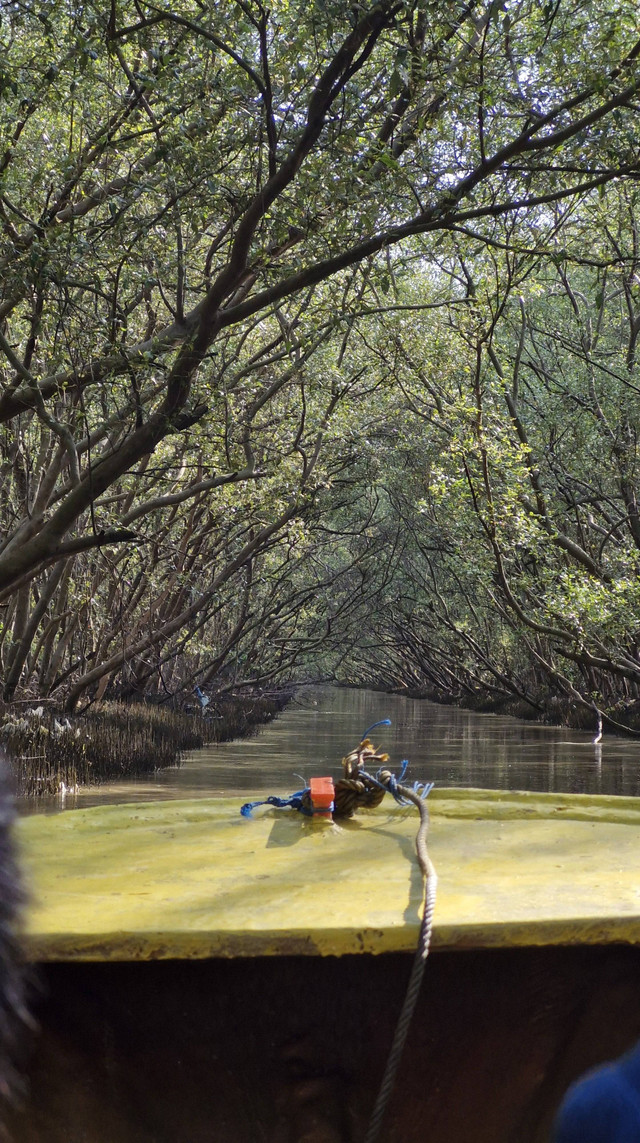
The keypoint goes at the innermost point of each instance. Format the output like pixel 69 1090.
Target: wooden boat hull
pixel 288 1049
pixel 173 1011
pixel 189 879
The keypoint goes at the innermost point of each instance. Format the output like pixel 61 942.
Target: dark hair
pixel 12 1010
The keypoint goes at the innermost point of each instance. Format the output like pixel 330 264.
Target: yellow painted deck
pixel 192 879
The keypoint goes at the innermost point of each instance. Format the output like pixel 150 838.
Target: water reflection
pixel 449 746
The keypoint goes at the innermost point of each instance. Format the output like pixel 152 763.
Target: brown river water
pixel 445 745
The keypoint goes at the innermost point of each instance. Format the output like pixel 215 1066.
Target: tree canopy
pixel 293 295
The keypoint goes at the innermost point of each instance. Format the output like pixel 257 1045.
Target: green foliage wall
pixel 259 321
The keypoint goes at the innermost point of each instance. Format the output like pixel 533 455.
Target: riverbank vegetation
pixel 53 755
pixel 318 352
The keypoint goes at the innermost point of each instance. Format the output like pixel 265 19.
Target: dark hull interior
pixel 291 1050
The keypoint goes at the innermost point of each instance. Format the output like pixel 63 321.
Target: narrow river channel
pixel 443 744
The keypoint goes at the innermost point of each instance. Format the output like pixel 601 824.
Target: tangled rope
pixel 360 789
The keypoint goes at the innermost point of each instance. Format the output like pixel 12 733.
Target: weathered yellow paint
pixel 193 879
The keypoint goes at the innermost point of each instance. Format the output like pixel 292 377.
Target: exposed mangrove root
pixel 48 752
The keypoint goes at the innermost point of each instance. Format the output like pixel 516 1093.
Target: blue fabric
pixel 603 1106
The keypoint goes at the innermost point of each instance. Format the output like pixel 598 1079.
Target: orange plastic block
pixel 322 794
